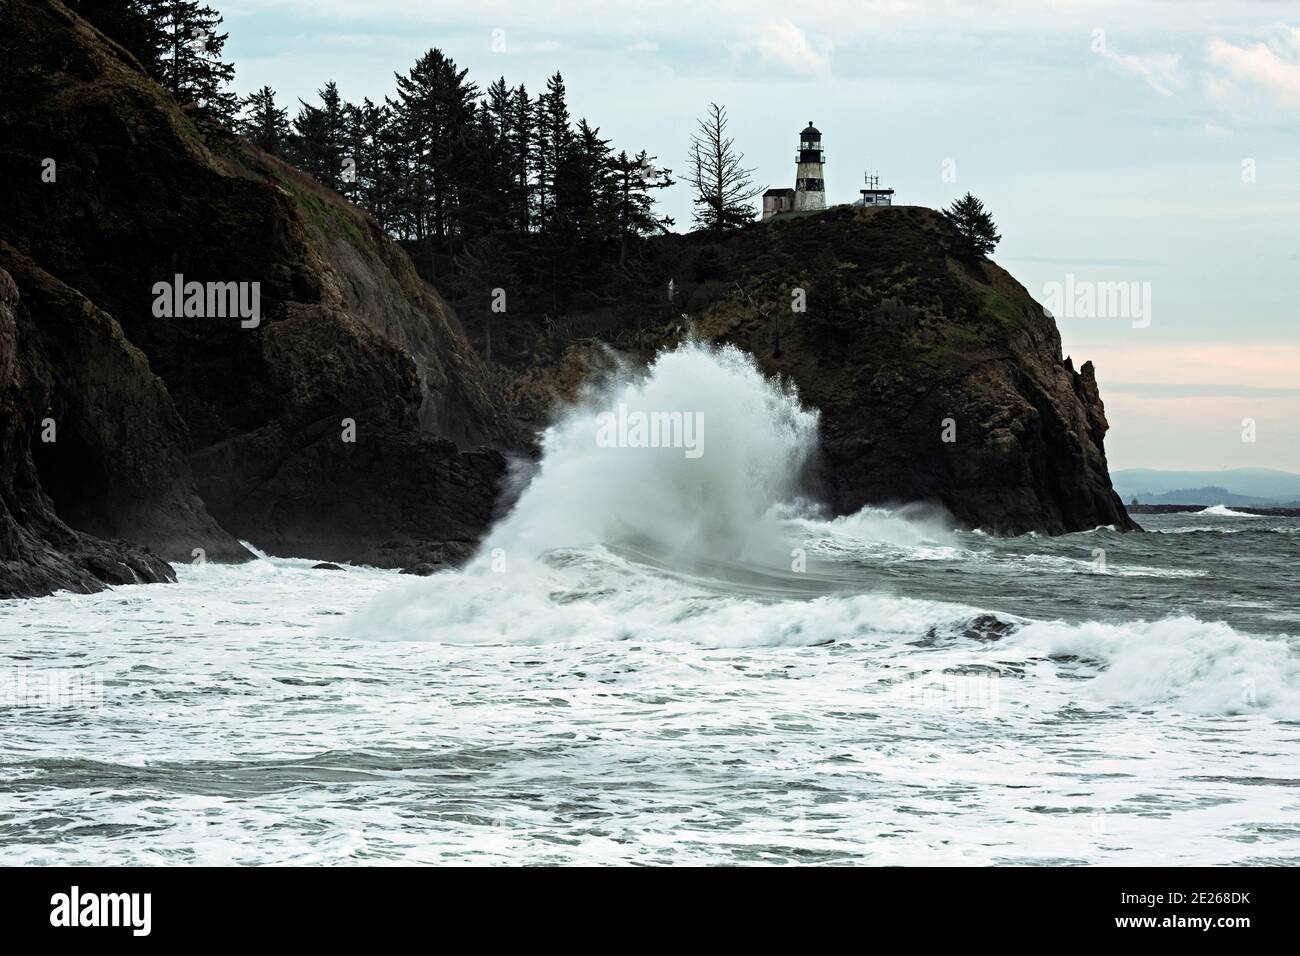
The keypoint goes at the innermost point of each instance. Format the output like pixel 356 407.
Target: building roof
pixel 811 132
pixel 778 192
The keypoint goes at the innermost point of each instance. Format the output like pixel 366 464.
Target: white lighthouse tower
pixel 810 181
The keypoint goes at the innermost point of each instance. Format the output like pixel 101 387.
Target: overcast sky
pixel 1154 145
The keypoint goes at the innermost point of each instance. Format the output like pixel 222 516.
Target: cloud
pixel 782 44
pixel 1222 92
pixel 1161 71
pixel 501 43
pixel 1270 67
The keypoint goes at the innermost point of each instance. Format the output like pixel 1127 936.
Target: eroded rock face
pixel 937 376
pixel 950 388
pixel 330 427
pixel 39 553
pixel 118 467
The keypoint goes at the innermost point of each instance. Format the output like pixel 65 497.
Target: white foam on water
pixel 1193 665
pixel 633 670
pixel 234 731
pixel 913 527
pixel 1223 511
pixel 552 573
pixel 600 597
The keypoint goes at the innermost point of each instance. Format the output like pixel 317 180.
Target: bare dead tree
pixel 723 187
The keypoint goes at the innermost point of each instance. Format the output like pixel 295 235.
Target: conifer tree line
pixel 441 161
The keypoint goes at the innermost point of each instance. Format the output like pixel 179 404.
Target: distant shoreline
pixel 1243 509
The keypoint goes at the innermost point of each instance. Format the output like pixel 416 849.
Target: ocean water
pixel 664 659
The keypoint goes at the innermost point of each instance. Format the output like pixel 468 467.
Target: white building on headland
pixel 809 193
pixel 873 195
pixel 809 179
pixel 777 200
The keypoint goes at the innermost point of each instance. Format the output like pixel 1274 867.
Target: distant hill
pixel 1211 495
pixel 1234 486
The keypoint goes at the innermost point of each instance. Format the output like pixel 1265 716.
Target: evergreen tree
pixel 497 105
pixel 263 123
pixel 434 111
pixel 354 154
pixel 367 143
pixel 974 223
pixel 495 185
pixel 635 180
pixel 584 184
pixel 482 186
pixel 333 113
pixel 550 146
pixel 319 134
pixel 723 188
pixel 519 143
pixel 190 65
pixel 306 141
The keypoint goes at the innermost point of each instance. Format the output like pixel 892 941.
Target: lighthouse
pixel 810 182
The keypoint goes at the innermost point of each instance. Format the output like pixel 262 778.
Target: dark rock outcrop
pixel 939 378
pixel 330 427
pixel 888 325
pixel 117 467
pixel 39 553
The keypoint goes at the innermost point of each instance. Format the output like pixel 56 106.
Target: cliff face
pixel 331 426
pixel 38 551
pixel 115 464
pixel 938 377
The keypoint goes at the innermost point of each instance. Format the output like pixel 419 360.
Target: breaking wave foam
pixel 1207 667
pixel 754 441
pixel 648 544
pixel 1223 511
